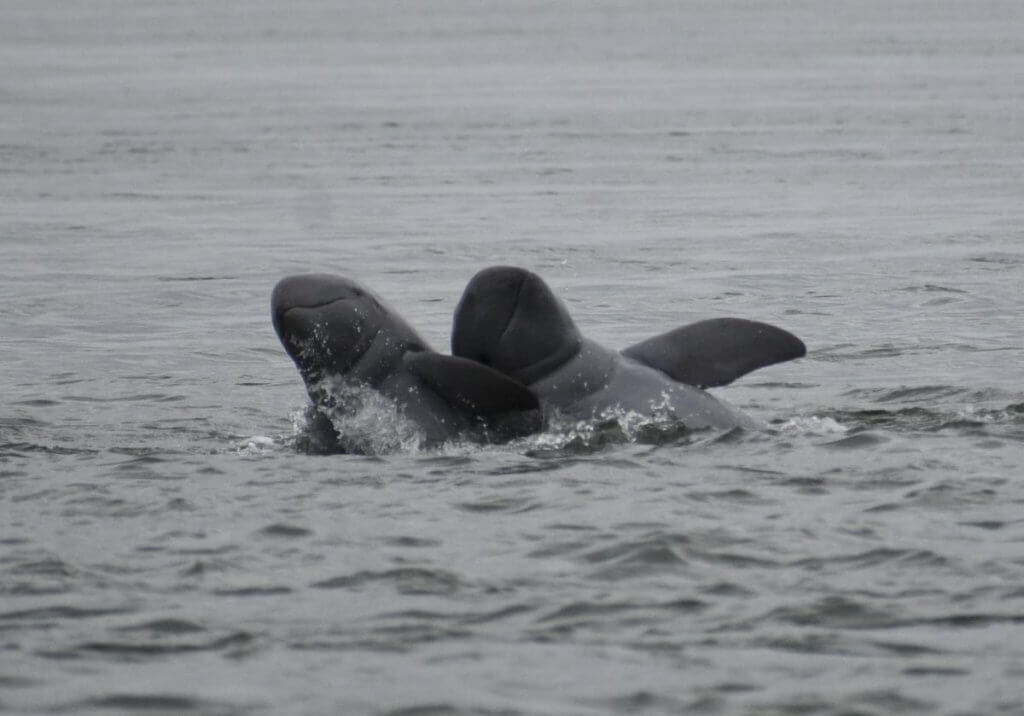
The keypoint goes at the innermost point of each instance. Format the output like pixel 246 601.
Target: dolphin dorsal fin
pixel 482 391
pixel 716 351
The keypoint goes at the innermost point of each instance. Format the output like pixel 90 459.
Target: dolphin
pixel 346 342
pixel 509 319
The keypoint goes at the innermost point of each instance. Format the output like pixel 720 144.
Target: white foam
pixel 813 425
pixel 614 424
pixel 256 445
pixel 367 421
pixel 974 414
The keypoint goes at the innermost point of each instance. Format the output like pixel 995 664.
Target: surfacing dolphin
pixel 510 320
pixel 346 343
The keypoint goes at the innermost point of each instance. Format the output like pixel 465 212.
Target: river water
pixel 853 172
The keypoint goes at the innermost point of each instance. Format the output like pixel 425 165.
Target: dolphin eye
pixel 484 358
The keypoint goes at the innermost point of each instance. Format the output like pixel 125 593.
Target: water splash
pixel 256 445
pixel 813 425
pixel 612 426
pixel 354 418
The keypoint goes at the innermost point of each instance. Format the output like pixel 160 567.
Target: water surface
pixel 850 172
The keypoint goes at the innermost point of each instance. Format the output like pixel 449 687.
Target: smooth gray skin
pixel 333 327
pixel 510 320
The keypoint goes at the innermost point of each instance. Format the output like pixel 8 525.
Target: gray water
pixel 853 172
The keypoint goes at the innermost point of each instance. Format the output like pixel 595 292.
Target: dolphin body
pixel 347 343
pixel 509 319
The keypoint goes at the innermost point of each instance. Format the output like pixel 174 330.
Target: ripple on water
pixel 970 420
pixel 157 645
pixel 645 701
pixel 656 553
pixel 400 635
pixel 43 616
pixel 34 574
pixel 284 530
pixel 253 591
pixel 404 580
pixel 140 703
pixel 502 504
pixel 843 563
pixel 604 614
pixel 858 441
pixel 890 701
pixel 26 449
pixel 169 626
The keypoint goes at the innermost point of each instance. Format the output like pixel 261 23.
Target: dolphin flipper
pixel 481 391
pixel 716 351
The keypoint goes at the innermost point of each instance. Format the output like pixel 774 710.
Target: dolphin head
pixel 331 325
pixel 510 320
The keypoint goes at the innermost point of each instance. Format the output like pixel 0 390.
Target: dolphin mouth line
pixel 280 313
pixel 319 304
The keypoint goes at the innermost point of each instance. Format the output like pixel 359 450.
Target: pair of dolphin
pixel 517 360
